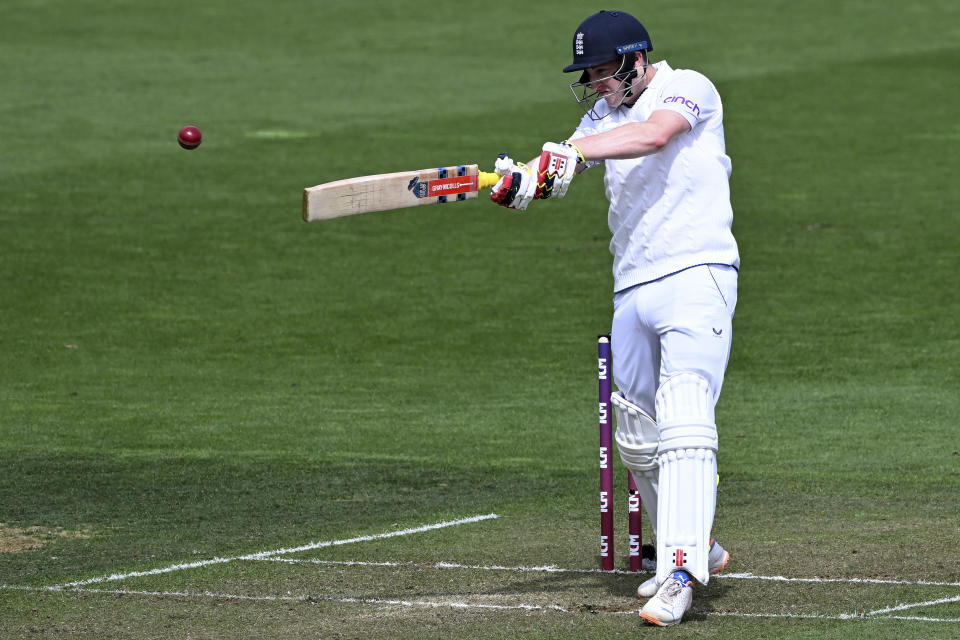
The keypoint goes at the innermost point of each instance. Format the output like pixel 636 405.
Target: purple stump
pixel 636 524
pixel 604 374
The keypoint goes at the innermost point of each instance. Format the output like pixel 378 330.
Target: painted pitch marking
pixel 914 605
pixel 277 552
pixel 555 569
pixel 468 605
pixel 272 556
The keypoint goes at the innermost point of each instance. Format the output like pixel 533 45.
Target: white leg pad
pixel 688 471
pixel 637 435
pixel 637 438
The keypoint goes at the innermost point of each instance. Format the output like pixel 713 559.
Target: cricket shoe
pixel 717 559
pixel 674 598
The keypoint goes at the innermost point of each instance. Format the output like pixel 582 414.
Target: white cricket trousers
pixel 682 322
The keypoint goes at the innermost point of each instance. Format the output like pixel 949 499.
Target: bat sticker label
pixel 450 186
pixel 442 186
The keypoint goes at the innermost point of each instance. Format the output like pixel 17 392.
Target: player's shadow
pixel 597 592
pixel 587 590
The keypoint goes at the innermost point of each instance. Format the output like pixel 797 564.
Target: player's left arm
pixel 634 139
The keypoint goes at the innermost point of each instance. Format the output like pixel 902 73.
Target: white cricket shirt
pixel 669 210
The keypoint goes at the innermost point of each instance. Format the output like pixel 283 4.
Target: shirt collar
pixel 663 70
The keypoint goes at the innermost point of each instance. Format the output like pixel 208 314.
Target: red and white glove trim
pixel 558 165
pixel 516 188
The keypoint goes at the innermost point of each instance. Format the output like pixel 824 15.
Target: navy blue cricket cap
pixel 606 36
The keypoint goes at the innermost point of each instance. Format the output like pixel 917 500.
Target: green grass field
pixel 191 375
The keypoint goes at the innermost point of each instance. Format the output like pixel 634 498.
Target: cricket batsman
pixel 658 132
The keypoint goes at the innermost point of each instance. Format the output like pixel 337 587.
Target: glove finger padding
pixel 505 165
pixel 558 165
pixel 516 188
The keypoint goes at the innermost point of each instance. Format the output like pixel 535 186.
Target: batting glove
pixel 558 164
pixel 516 188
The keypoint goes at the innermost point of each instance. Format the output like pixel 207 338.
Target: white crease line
pixel 267 554
pixel 462 605
pixel 555 569
pixel 902 607
pixel 801 616
pixel 750 576
pixel 231 596
pixel 442 565
pixel 818 616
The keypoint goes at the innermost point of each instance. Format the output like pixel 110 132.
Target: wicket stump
pixel 605 375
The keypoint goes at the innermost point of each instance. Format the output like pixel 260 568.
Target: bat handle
pixel 487 179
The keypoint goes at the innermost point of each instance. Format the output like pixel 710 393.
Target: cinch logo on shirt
pixel 689 104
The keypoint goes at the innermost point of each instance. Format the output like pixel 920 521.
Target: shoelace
pixel 671 591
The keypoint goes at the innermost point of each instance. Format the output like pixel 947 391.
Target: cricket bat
pixel 388 191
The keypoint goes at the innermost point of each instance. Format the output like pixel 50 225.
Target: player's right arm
pixel 634 139
pixel 689 99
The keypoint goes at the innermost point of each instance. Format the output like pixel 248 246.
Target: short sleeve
pixel 691 95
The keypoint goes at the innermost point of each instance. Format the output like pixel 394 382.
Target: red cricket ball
pixel 189 137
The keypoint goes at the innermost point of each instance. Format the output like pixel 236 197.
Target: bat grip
pixel 486 179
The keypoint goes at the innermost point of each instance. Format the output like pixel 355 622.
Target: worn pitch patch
pixel 16 539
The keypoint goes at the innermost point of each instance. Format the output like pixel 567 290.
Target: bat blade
pixel 388 191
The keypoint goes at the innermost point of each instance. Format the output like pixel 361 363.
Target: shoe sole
pixel 653 620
